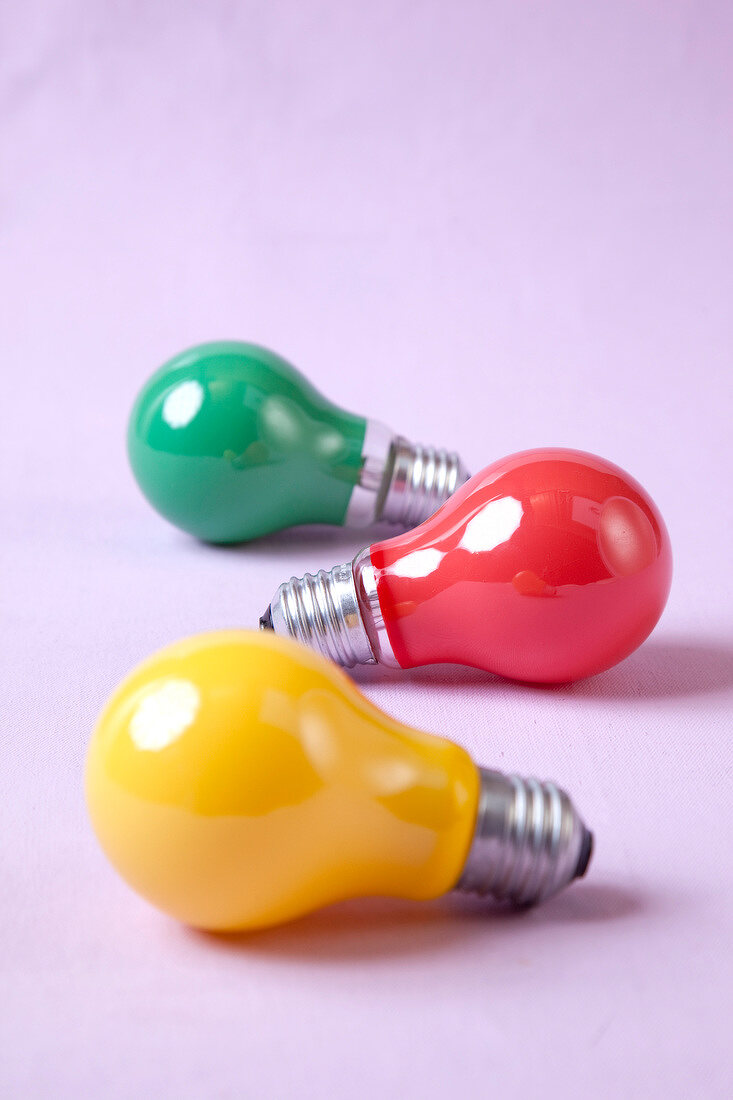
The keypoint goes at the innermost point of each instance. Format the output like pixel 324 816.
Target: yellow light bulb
pixel 238 780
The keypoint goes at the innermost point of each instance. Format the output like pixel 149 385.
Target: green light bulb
pixel 230 442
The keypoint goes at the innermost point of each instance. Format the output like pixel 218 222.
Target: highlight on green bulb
pixel 230 442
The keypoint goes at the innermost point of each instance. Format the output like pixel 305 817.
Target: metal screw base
pixel 399 481
pixel 323 613
pixel 336 613
pixel 529 841
pixel 419 479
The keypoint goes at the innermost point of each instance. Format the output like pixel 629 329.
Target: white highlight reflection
pixel 164 714
pixel 495 523
pixel 390 776
pixel 420 563
pixel 182 404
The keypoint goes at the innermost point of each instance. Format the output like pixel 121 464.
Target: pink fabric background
pixel 495 226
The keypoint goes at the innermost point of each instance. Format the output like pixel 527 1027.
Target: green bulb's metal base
pixel 401 482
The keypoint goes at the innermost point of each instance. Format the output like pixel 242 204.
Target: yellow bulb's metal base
pixel 529 841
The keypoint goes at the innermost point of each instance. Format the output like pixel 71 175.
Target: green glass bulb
pixel 230 442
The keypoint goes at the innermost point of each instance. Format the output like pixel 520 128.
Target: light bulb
pixel 547 566
pixel 231 442
pixel 237 780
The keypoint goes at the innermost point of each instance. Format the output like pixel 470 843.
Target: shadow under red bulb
pixel 548 566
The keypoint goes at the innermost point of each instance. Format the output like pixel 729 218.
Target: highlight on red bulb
pixel 548 566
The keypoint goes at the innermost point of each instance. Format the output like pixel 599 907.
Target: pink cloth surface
pixel 493 226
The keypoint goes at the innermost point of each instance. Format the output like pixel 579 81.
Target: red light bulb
pixel 547 566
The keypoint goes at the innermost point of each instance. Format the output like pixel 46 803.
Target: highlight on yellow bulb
pixel 238 780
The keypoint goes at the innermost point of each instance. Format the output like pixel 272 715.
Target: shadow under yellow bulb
pixel 238 780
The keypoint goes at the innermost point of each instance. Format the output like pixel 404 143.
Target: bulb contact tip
pixel 585 855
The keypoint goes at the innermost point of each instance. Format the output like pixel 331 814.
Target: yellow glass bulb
pixel 238 780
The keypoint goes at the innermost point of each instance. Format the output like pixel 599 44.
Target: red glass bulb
pixel 547 566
